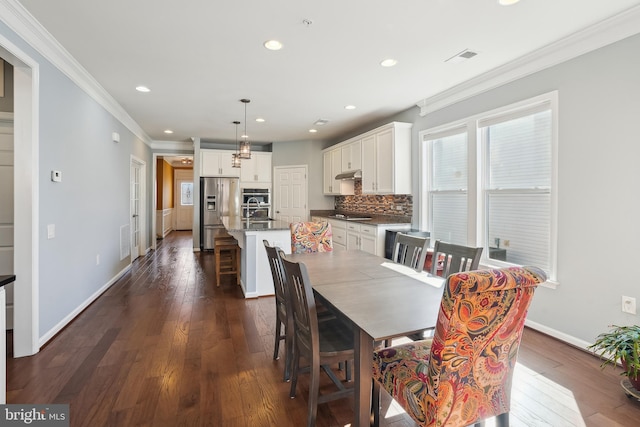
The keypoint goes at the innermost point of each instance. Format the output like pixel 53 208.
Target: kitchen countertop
pixel 6 279
pixel 375 219
pixel 240 224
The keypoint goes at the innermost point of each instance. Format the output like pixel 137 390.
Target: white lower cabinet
pixel 363 237
pixel 339 231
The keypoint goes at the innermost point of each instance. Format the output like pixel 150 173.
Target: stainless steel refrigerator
pixel 218 197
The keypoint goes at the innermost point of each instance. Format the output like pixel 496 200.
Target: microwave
pixel 254 196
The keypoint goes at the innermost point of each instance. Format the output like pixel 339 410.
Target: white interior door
pixel 183 199
pixel 137 222
pixel 6 210
pixel 290 193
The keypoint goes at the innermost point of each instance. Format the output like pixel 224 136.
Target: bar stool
pixel 227 257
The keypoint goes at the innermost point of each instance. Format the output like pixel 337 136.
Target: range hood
pixel 350 175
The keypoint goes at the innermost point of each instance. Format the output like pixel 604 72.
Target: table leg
pixel 363 369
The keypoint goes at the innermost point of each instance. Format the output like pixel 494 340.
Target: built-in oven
pixel 256 202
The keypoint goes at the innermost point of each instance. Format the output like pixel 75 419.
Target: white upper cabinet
pixel 257 169
pixel 386 160
pixel 332 164
pixel 352 156
pixel 217 163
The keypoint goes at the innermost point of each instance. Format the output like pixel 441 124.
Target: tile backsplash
pixel 401 205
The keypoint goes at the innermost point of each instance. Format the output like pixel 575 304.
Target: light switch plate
pixel 628 305
pixel 51 231
pixel 56 176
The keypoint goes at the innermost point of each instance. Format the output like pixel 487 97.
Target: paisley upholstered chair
pixel 463 374
pixel 309 237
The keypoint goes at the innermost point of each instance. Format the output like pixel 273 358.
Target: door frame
pixel 142 214
pixel 178 176
pixel 26 82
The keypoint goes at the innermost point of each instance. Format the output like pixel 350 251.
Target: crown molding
pixel 172 145
pixel 16 17
pixel 605 32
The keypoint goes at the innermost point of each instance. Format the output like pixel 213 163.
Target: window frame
pixel 477 173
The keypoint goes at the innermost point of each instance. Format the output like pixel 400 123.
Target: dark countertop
pixel 375 219
pixel 6 279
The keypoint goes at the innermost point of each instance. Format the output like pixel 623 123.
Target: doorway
pixel 137 222
pixel 26 336
pixel 184 198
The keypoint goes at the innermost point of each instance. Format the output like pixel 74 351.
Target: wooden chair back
pixel 455 258
pixel 410 251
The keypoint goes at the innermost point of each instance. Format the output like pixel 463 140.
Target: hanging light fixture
pixel 235 157
pixel 245 145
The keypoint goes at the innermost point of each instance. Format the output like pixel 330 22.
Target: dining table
pixel 379 298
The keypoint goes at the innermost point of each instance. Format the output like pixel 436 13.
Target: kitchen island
pixel 255 273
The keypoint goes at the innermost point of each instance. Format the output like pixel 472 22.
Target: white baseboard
pixel 558 335
pixel 64 322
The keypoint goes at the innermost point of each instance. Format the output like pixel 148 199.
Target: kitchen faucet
pixel 249 203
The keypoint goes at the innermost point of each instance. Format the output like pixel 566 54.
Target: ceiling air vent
pixel 461 56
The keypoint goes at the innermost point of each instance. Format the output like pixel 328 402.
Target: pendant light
pixel 245 145
pixel 235 157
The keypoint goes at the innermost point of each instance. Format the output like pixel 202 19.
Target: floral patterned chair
pixel 309 237
pixel 463 374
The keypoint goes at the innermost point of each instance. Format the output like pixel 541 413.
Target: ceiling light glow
pixel 312 131
pixel 273 45
pixel 507 2
pixel 260 120
pixel 143 89
pixel 390 62
pixel 168 131
pixel 349 107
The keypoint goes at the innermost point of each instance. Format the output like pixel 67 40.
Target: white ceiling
pixel 200 57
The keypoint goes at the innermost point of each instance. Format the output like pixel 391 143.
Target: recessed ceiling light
pixel 349 107
pixel 168 131
pixel 507 2
pixel 321 122
pixel 312 131
pixel 273 45
pixel 143 89
pixel 390 62
pixel 260 120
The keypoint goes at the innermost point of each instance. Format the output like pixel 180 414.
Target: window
pixel 186 193
pixel 505 200
pixel 448 188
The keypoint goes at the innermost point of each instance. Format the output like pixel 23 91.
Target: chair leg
pixel 294 373
pixel 217 267
pixel 375 403
pixel 314 390
pixel 276 346
pixel 502 420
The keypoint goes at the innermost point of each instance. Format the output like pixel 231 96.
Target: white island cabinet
pixel 255 273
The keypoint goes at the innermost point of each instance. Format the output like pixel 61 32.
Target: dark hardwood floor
pixel 165 347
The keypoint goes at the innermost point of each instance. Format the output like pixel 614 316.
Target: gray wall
pixel 92 201
pixel 305 153
pixel 598 155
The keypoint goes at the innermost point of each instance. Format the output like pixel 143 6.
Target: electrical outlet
pixel 628 305
pixel 507 243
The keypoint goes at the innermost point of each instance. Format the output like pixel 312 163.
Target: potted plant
pixel 621 344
